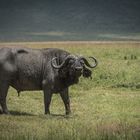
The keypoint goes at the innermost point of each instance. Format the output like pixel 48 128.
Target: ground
pixel 106 107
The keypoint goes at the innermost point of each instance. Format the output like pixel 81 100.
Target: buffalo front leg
pixel 47 101
pixel 3 94
pixel 65 97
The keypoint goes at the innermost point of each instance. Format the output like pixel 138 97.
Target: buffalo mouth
pixel 78 71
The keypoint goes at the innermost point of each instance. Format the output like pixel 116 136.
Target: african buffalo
pixel 51 70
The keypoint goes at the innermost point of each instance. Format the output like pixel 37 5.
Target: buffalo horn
pixel 90 65
pixel 63 63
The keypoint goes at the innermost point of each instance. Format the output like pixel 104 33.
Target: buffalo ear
pixel 87 73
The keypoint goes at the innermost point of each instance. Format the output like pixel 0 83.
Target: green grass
pixel 105 108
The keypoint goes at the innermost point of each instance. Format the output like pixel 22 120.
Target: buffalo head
pixel 72 67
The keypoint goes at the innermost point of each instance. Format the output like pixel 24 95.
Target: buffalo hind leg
pixel 3 94
pixel 65 97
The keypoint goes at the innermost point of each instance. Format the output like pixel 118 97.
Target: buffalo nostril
pixel 78 68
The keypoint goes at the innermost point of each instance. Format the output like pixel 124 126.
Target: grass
pixel 104 108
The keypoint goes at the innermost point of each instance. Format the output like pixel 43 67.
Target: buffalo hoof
pixel 6 112
pixel 0 112
pixel 47 113
pixel 68 113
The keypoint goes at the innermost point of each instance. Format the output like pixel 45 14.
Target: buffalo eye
pixel 71 61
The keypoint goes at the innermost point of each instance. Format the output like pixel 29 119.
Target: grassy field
pixel 104 108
